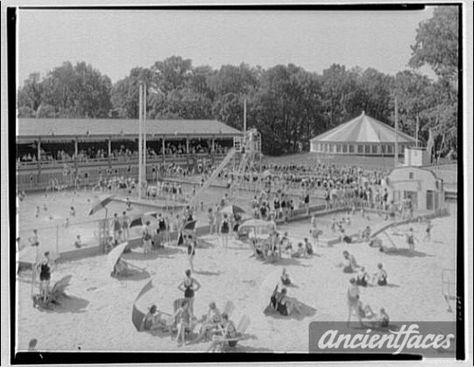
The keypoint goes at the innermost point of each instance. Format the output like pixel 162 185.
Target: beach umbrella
pixel 101 204
pixel 114 255
pixel 59 288
pixel 190 225
pixel 232 210
pixel 137 314
pixel 141 220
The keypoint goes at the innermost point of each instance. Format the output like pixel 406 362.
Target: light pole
pixel 140 148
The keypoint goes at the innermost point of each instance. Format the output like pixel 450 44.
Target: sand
pixel 98 315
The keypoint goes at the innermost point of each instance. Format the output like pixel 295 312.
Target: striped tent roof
pixel 363 129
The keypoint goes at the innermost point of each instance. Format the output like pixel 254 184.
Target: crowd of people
pixel 121 153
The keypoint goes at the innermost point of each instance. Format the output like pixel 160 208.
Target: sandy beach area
pixel 97 316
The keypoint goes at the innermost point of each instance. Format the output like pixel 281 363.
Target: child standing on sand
pixel 411 239
pixel 225 228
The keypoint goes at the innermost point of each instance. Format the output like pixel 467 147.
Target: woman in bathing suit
pixel 152 320
pixel 225 227
pixel 189 286
pixel 191 251
pixel 352 298
pixel 381 275
pixel 44 268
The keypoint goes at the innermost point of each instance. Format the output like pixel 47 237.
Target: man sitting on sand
pixel 381 275
pixel 153 320
pixel 349 265
pixel 285 278
pixel 362 277
pixel 300 252
pixel 121 268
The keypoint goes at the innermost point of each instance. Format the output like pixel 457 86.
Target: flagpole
pixel 396 133
pixel 417 128
pixel 144 133
pixel 140 150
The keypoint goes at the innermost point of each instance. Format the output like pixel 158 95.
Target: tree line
pixel 286 103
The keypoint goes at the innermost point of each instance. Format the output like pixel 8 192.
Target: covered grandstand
pixel 65 149
pixel 362 135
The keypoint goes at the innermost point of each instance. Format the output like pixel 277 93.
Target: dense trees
pixel 67 91
pixel 288 104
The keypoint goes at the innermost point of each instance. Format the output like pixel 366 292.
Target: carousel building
pixel 364 136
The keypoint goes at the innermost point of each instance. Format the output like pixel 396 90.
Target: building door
pixel 412 196
pixel 429 200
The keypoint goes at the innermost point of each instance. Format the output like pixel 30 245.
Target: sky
pixel 115 41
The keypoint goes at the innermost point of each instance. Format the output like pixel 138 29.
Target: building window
pixel 367 148
pixel 374 149
pixel 360 148
pixel 344 148
pixel 389 148
pixel 339 148
pixel 351 148
pixel 411 176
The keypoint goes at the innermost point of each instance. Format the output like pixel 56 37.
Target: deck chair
pixel 223 342
pixel 242 327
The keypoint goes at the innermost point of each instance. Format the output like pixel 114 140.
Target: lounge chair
pixel 221 342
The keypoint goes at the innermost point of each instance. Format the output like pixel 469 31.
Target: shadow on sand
pixel 286 262
pixel 207 272
pixel 305 311
pixel 405 252
pixel 134 274
pixel 155 254
pixel 68 304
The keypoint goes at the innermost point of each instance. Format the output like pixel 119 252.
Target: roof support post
pixel 76 158
pixel 187 144
pixel 38 150
pixel 109 151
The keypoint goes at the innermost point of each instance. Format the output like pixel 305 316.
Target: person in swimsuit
pixel 308 248
pixel 183 321
pixel 429 226
pixel 284 305
pixel 285 278
pixel 383 320
pixel 117 228
pixel 411 240
pixel 362 277
pixel 212 221
pixel 191 249
pixel 225 229
pixel 44 268
pixel 381 275
pixel 152 320
pixel 211 322
pixel 146 237
pixel 227 331
pixel 352 298
pixel 189 286
pixel 125 226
